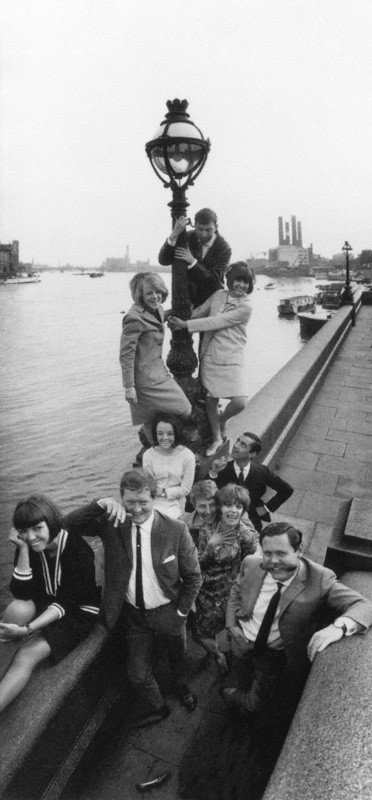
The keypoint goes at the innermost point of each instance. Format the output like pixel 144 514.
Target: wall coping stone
pixel 275 412
pixel 327 750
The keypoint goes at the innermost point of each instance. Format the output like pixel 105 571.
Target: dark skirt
pixel 66 633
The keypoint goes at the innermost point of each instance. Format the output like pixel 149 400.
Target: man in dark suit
pixel 276 606
pixel 257 478
pixel 152 577
pixel 206 253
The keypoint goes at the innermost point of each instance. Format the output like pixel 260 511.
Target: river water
pixel 64 420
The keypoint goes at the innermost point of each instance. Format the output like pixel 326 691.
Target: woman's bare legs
pixel 19 672
pixel 235 405
pixel 211 404
pixel 19 612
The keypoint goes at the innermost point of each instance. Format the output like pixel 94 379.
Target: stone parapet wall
pixel 276 411
pixel 327 753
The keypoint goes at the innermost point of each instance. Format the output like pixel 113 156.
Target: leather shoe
pixel 151 717
pixel 236 698
pixel 187 697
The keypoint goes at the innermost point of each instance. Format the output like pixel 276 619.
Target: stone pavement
pixel 329 460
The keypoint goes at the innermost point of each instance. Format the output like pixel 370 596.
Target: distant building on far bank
pixel 9 259
pixel 290 257
pixel 125 265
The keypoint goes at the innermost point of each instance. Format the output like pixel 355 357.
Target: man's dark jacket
pixel 206 276
pixel 258 480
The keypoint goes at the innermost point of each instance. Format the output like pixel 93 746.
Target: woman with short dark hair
pixel 149 387
pixel 56 599
pixel 171 464
pixel 223 320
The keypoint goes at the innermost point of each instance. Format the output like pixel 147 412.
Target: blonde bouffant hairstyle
pixel 152 279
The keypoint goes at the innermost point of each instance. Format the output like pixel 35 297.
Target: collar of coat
pixel 257 576
pixel 161 537
pixel 142 312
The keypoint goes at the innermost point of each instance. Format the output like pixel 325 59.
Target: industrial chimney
pixel 287 240
pixel 281 237
pixel 299 234
pixel 294 230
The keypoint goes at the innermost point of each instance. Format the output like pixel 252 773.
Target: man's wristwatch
pixel 342 626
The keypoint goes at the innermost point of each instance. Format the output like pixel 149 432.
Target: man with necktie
pixel 273 618
pixel 255 477
pixel 152 578
pixel 205 252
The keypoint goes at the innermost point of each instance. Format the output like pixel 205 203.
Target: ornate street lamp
pixel 177 154
pixel 346 294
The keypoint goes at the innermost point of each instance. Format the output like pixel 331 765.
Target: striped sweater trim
pixel 90 609
pixel 59 608
pixel 52 582
pixel 22 576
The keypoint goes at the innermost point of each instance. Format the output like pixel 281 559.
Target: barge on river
pixel 289 306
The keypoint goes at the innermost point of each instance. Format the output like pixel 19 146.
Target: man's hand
pixel 218 464
pixel 131 395
pixel 322 639
pixel 184 254
pixel 180 226
pixel 16 538
pixel 176 324
pixel 235 632
pixel 114 510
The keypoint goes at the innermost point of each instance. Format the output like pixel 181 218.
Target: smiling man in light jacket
pixel 152 577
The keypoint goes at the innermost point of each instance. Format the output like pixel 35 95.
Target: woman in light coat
pixel 223 319
pixel 149 387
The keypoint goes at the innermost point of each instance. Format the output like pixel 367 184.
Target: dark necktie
pixel 140 603
pixel 264 630
pixel 241 476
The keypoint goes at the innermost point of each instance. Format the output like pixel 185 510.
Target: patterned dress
pixel 221 552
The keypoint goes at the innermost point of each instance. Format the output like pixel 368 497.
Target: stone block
pixel 361 453
pixel 359 524
pixel 308 480
pixel 304 443
pixel 358 426
pixel 296 457
pixel 318 507
pixel 291 505
pixel 342 466
pixel 326 755
pixel 319 542
pixel 352 487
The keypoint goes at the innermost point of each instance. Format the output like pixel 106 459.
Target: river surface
pixel 64 420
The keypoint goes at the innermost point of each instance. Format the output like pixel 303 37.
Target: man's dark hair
pixel 137 480
pixel 278 528
pixel 205 216
pixel 240 271
pixel 35 509
pixel 256 447
pixel 171 419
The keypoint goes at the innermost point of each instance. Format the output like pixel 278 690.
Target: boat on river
pixel 289 306
pixel 96 274
pixel 312 321
pixel 270 286
pixel 21 278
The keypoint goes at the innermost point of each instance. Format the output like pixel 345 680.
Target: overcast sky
pixel 281 87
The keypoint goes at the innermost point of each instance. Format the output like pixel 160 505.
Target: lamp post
pixel 177 154
pixel 347 297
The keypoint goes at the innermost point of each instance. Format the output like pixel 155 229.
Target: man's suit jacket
pixel 174 558
pixel 259 478
pixel 314 590
pixel 206 276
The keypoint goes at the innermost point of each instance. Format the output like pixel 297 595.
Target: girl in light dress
pixel 223 319
pixel 171 464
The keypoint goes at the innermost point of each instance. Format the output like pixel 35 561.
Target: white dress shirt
pixel 251 626
pixel 152 593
